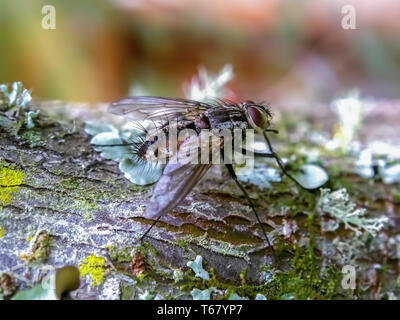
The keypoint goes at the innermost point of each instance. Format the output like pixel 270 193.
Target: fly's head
pixel 258 115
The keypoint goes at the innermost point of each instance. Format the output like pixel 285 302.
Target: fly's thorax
pixel 202 138
pixel 227 117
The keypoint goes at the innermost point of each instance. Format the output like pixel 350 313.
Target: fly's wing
pixel 175 183
pixel 155 108
pixel 178 179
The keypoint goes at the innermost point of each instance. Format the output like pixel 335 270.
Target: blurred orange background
pixel 283 51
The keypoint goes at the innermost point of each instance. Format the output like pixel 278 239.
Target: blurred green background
pixel 287 52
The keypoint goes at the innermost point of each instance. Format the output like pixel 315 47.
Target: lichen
pixel 120 255
pixel 39 249
pixel 69 184
pixel 9 177
pixel 33 138
pixel 2 232
pixel 86 207
pixel 338 205
pixel 306 280
pixel 197 267
pixel 95 267
pixel 17 97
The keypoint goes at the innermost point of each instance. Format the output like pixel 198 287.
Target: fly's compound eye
pixel 257 117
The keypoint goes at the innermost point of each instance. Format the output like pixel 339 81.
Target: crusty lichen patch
pixel 86 207
pixel 9 177
pixel 2 232
pixel 94 266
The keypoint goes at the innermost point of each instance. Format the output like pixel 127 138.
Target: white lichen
pixel 206 85
pixel 339 206
pixel 260 296
pixel 350 115
pixel 261 177
pixel 17 97
pixel 145 296
pixel 235 296
pixel 198 294
pixel 197 267
pixel 30 115
pixel 134 169
pixel 311 176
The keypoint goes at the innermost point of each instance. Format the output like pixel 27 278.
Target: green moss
pixel 69 184
pixel 127 292
pixel 9 177
pixel 93 266
pixel 243 276
pixel 396 197
pixel 182 244
pixel 148 252
pixel 33 138
pixel 120 255
pixel 306 280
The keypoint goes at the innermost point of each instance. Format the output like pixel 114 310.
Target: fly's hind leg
pixel 251 204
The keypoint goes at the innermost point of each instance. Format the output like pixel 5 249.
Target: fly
pixel 178 179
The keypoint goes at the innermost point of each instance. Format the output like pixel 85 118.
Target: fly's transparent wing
pixel 178 179
pixel 155 108
pixel 175 183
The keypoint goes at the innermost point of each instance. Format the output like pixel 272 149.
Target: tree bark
pixel 86 206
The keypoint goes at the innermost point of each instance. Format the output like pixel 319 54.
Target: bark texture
pixel 85 206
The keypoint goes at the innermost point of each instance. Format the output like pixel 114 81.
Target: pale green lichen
pixel 138 172
pixel 2 232
pixel 33 138
pixel 197 267
pixel 311 176
pixel 9 177
pixel 350 115
pixel 338 205
pixel 145 296
pixel 235 296
pixel 30 115
pixel 93 266
pixel 120 255
pixel 17 97
pixel 86 207
pixel 201 294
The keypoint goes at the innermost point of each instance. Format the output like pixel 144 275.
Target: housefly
pixel 179 178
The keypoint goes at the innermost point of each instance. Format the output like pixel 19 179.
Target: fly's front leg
pixel 148 230
pixel 278 160
pixel 251 204
pixel 273 154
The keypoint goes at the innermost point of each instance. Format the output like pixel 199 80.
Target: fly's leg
pixel 148 230
pixel 273 154
pixel 278 160
pixel 234 177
